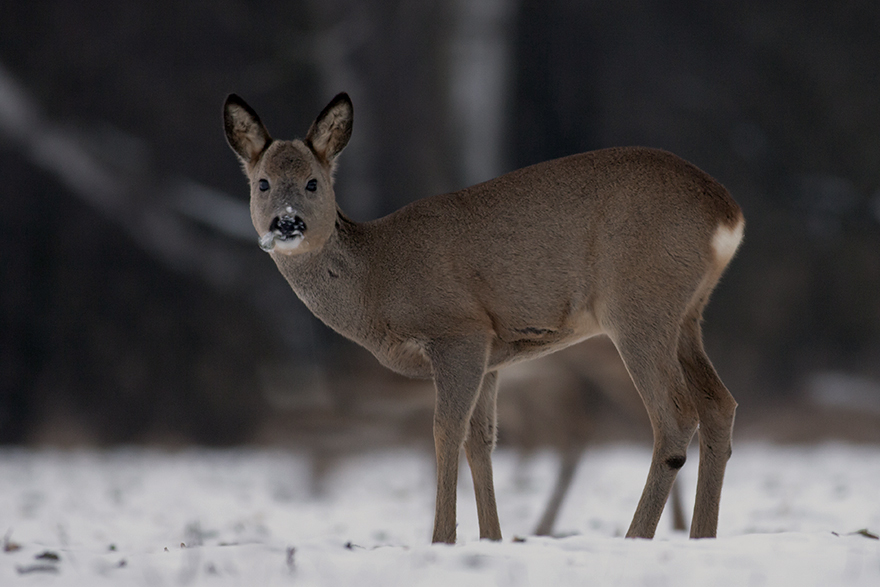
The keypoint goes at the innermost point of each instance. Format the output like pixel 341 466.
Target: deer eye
pixel 264 185
pixel 312 185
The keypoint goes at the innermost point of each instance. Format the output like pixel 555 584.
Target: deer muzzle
pixel 285 233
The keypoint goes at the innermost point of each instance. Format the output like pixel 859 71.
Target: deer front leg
pixel 478 447
pixel 458 375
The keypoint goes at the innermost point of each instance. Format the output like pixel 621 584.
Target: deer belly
pixel 522 342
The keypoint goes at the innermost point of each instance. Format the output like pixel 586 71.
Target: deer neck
pixel 330 281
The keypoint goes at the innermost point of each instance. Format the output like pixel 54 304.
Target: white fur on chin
pixel 287 247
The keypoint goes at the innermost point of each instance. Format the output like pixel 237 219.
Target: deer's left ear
pixel 331 131
pixel 245 133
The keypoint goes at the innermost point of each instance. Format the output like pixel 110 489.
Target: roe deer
pixel 628 242
pixel 576 385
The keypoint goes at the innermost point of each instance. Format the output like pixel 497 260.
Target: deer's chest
pixel 404 356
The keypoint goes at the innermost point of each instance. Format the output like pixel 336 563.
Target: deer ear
pixel 330 132
pixel 245 133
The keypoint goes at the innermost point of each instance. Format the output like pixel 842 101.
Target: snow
pixel 789 516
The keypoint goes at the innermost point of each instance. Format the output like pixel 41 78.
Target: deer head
pixel 293 206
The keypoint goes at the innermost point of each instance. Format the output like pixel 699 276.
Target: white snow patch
pixel 247 517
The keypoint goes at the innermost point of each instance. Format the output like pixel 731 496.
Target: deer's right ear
pixel 245 133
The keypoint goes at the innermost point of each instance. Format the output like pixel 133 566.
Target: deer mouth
pixel 285 234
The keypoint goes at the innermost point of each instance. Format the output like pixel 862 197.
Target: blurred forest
pixel 136 305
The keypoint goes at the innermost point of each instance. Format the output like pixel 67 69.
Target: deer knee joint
pixel 676 462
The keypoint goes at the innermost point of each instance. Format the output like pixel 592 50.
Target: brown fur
pixel 456 286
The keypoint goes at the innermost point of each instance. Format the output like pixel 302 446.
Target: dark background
pixel 136 305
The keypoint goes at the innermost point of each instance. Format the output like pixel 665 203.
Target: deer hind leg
pixel 657 375
pixel 458 377
pixel 478 447
pixel 571 456
pixel 678 520
pixel 716 408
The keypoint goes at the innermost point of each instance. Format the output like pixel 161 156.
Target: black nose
pixel 285 227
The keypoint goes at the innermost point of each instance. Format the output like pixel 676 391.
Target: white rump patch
pixel 726 240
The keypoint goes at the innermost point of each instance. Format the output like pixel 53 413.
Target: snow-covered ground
pixel 790 516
